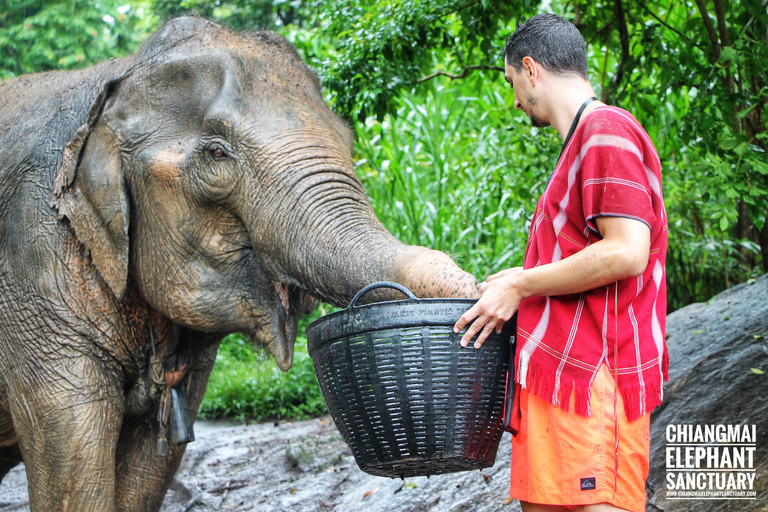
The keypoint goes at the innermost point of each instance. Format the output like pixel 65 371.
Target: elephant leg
pixel 143 476
pixel 67 423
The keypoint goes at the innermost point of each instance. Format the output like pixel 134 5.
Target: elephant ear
pixel 90 191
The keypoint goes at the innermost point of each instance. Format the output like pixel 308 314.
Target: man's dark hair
pixel 551 41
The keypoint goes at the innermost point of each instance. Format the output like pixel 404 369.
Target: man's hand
pixel 503 273
pixel 501 295
pixel 621 253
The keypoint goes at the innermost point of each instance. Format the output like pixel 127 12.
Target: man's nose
pixel 518 106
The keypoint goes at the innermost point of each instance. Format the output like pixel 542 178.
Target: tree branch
pixel 577 14
pixel 437 17
pixel 463 74
pixel 724 41
pixel 710 28
pixel 624 40
pixel 720 15
pixel 623 32
pixel 747 24
pixel 607 25
pixel 763 237
pixel 602 81
pixel 656 17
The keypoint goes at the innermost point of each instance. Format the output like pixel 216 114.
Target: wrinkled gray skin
pixel 201 187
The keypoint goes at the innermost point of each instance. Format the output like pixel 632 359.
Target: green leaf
pixel 724 224
pixel 728 53
pixel 742 114
pixel 728 142
pixel 757 371
pixel 759 166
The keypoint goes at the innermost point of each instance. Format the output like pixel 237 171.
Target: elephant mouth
pixel 279 333
pixel 283 291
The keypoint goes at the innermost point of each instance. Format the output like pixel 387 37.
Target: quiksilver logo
pixel 587 484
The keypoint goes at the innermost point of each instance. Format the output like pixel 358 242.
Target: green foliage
pixel 42 35
pixel 384 47
pixel 237 15
pixel 246 384
pixel 697 82
pixel 456 171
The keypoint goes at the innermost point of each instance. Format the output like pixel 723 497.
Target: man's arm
pixel 622 252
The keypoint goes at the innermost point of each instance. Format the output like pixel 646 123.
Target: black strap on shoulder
pixel 575 123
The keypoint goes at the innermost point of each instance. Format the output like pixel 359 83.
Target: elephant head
pixel 213 172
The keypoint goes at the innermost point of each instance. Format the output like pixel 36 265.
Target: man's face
pixel 524 98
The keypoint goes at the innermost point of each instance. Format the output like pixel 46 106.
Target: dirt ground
pixel 301 467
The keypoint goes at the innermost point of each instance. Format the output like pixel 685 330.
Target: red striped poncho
pixel 609 168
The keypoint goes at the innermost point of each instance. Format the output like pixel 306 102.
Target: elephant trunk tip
pixel 430 273
pixel 282 350
pixel 278 328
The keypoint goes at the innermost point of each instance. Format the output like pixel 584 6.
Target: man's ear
pixel 529 69
pixel 90 191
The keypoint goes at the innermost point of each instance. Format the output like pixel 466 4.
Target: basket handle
pixel 381 284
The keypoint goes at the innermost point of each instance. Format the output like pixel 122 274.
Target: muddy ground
pixel 303 466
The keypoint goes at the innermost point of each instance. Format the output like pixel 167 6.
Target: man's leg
pixel 537 507
pixel 599 507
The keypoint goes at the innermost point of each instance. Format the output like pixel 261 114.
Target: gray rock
pixel 713 348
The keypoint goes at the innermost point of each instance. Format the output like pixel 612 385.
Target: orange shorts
pixel 560 458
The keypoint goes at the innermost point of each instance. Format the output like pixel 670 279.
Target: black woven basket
pixel 406 397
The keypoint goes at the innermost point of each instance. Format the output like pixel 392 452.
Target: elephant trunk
pixel 343 267
pixel 319 234
pixel 325 238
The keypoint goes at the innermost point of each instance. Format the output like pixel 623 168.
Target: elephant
pixel 150 206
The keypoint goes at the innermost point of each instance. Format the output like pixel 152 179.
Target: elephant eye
pixel 217 152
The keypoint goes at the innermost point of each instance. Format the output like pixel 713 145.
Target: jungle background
pixel 446 160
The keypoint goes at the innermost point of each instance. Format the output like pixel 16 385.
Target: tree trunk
pixel 764 244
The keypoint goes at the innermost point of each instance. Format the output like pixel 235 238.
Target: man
pixel 591 355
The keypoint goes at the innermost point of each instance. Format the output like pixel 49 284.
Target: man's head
pixel 544 44
pixel 551 41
